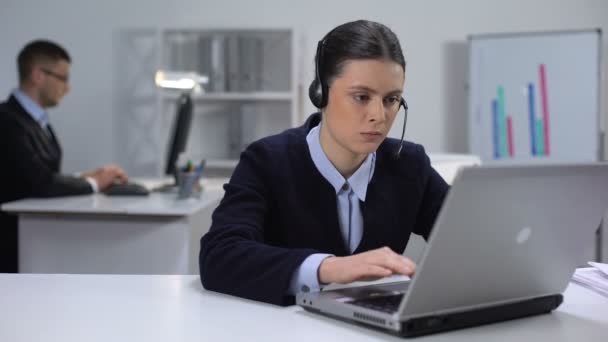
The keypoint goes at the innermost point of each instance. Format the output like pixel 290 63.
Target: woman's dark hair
pixel 361 39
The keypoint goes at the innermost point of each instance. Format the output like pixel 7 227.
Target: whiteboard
pixel 534 97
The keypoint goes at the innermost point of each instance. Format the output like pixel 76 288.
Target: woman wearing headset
pixel 332 201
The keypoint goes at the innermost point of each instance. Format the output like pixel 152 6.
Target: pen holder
pixel 188 184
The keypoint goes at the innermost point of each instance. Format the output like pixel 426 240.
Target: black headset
pixel 318 92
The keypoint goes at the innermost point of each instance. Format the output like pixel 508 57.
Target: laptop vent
pixel 369 318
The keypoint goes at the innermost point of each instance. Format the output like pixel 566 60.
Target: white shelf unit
pixel 234 96
pixel 252 92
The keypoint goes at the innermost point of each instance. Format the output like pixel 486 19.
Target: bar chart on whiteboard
pixel 534 97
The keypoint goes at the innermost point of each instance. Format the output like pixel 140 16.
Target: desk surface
pixel 149 308
pixel 163 204
pixel 157 204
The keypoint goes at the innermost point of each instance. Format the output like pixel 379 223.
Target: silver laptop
pixel 505 245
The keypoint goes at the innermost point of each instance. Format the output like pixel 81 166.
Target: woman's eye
pixel 361 98
pixel 392 100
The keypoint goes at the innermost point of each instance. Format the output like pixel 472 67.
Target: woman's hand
pixel 375 264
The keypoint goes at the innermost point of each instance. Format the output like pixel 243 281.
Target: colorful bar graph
pixel 545 104
pixel 532 118
pixel 503 130
pixel 539 131
pixel 510 136
pixel 502 127
pixel 502 121
pixel 495 129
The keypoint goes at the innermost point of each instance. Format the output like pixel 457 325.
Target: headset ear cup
pixel 316 94
pixel 323 94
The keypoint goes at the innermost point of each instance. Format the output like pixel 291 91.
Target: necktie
pixel 351 224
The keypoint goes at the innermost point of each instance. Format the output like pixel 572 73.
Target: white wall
pixel 433 34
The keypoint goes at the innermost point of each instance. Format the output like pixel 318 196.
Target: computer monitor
pixel 179 132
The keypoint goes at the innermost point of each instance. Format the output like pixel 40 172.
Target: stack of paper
pixel 594 278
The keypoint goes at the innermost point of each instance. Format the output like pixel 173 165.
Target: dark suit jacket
pixel 31 163
pixel 278 209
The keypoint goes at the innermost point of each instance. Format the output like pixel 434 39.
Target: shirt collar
pixel 358 181
pixel 31 107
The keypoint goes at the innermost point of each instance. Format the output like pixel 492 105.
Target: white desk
pixel 448 164
pixel 121 235
pixel 66 308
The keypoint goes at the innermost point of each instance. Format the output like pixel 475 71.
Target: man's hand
pixel 375 264
pixel 107 175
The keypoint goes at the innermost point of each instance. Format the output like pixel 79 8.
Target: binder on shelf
pixel 251 57
pixel 233 66
pixel 218 65
pixel 184 53
pixel 211 57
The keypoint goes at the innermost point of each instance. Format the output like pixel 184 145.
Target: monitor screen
pixel 179 133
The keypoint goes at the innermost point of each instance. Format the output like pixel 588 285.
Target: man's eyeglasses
pixel 60 77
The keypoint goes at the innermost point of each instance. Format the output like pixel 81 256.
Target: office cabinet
pixel 253 91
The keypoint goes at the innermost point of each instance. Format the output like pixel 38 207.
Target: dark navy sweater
pixel 278 209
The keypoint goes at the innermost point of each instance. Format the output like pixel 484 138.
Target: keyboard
pixel 386 303
pixel 126 189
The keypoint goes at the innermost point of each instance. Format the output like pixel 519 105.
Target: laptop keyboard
pixel 389 303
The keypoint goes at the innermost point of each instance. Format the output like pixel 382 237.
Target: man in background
pixel 29 149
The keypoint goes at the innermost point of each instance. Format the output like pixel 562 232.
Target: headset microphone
pixel 404 104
